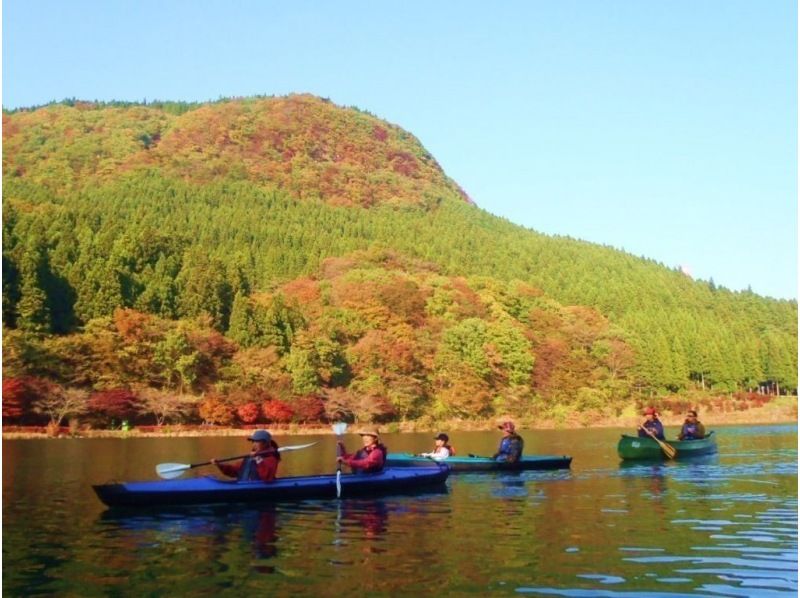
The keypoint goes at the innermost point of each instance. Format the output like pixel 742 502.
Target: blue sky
pixel 667 129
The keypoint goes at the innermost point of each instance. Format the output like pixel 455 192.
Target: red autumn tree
pixel 309 409
pixel 276 411
pixel 115 403
pixel 20 393
pixel 248 413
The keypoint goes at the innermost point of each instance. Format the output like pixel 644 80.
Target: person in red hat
pixel 511 445
pixel 652 424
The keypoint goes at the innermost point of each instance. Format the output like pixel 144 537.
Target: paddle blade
pixel 169 471
pixel 339 428
pixel 669 450
pixel 295 447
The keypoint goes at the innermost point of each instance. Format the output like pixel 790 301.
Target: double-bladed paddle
pixel 169 471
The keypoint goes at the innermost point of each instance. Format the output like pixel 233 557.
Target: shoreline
pixel 784 413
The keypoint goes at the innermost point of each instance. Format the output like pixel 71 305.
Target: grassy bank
pixel 780 410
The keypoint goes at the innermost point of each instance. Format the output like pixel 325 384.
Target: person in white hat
pixel 368 459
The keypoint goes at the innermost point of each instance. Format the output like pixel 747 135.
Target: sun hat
pixel 368 432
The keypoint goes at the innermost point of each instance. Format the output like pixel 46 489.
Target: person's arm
pixel 659 432
pixel 701 430
pixel 682 434
pixel 231 470
pixel 374 459
pixel 441 453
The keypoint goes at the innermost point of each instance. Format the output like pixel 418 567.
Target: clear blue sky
pixel 664 128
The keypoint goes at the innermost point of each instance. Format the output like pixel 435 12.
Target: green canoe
pixel 634 447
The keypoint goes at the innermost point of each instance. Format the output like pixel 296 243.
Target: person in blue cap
pixel 262 464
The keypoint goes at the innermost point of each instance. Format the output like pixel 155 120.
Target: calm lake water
pixel 725 526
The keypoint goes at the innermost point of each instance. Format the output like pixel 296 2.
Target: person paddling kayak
pixel 441 450
pixel 511 445
pixel 370 458
pixel 262 464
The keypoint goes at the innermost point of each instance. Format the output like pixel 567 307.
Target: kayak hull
pixel 210 490
pixel 636 448
pixel 486 464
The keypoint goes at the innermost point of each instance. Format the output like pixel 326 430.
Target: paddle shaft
pixel 667 449
pixel 231 458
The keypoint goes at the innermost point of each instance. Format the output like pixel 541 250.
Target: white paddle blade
pixel 295 447
pixel 339 428
pixel 169 471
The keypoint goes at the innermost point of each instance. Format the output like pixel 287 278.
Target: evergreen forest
pixel 278 259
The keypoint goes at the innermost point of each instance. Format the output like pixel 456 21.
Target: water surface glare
pixel 724 525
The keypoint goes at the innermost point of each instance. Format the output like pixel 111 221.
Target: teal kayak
pixel 470 463
pixel 636 447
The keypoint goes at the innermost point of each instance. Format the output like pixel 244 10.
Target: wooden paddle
pixel 169 471
pixel 339 428
pixel 669 450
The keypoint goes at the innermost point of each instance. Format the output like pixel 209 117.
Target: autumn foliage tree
pixel 115 403
pixel 248 413
pixel 277 411
pixel 19 395
pixel 214 409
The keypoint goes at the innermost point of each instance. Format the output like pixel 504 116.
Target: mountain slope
pixel 177 214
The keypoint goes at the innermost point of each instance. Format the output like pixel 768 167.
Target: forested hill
pixel 223 208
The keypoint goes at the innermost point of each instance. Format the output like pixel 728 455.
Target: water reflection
pixel 723 524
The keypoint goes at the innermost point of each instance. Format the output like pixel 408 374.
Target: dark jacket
pixel 510 449
pixel 655 426
pixel 692 431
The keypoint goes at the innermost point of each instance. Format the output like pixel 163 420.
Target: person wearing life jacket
pixel 651 424
pixel 692 428
pixel 368 459
pixel 511 445
pixel 262 464
pixel 441 450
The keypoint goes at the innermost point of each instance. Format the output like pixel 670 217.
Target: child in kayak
pixel 511 445
pixel 692 428
pixel 370 458
pixel 441 450
pixel 262 464
pixel 652 424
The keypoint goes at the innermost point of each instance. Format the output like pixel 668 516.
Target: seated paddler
pixel 511 445
pixel 651 424
pixel 261 464
pixel 441 449
pixel 692 429
pixel 370 458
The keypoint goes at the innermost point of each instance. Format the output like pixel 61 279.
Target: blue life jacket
pixel 689 431
pixel 510 449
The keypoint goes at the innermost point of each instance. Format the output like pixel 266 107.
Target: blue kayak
pixel 474 464
pixel 208 490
